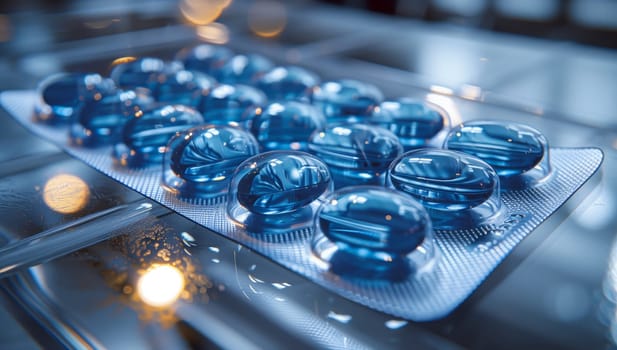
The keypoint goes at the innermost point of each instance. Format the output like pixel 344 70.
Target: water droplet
pixel 143 72
pixel 510 148
pixel 188 239
pixel 445 182
pixel 232 104
pixel 373 229
pixel 145 136
pixel 356 153
pixel 346 100
pixel 287 83
pixel 243 69
pixel 414 122
pixel 276 190
pixel 183 87
pixel 62 95
pixel 204 58
pixel 199 161
pixel 100 121
pixel 286 125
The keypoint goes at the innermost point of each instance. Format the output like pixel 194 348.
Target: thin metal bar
pixel 67 238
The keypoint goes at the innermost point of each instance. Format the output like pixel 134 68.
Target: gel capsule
pixel 370 231
pixel 63 95
pixel 356 154
pixel 204 58
pixel 346 100
pixel 275 191
pixel 231 104
pixel 287 83
pixel 286 125
pixel 145 136
pixel 447 182
pixel 510 148
pixel 142 72
pixel 243 69
pixel 199 161
pixel 100 120
pixel 183 87
pixel 414 122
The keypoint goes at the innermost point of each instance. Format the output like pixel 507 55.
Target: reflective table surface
pixel 556 290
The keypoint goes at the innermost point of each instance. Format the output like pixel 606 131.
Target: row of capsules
pixel 291 152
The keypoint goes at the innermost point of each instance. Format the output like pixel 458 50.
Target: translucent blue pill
pixel 231 104
pixel 357 154
pixel 62 95
pixel 346 100
pixel 145 135
pixel 286 125
pixel 369 231
pixel 142 72
pixel 243 69
pixel 204 58
pixel 183 87
pixel 414 122
pixel 444 179
pixel 199 161
pixel 277 190
pixel 459 189
pixel 100 120
pixel 287 83
pixel 510 148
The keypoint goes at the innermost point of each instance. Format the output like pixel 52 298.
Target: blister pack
pixel 381 201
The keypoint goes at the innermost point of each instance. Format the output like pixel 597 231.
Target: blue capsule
pixel 142 72
pixel 231 104
pixel 346 100
pixel 286 125
pixel 145 136
pixel 63 95
pixel 374 218
pixel 199 161
pixel 356 154
pixel 444 179
pixel 100 120
pixel 183 87
pixel 204 58
pixel 373 230
pixel 281 182
pixel 414 122
pixel 510 148
pixel 278 191
pixel 243 69
pixel 287 83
